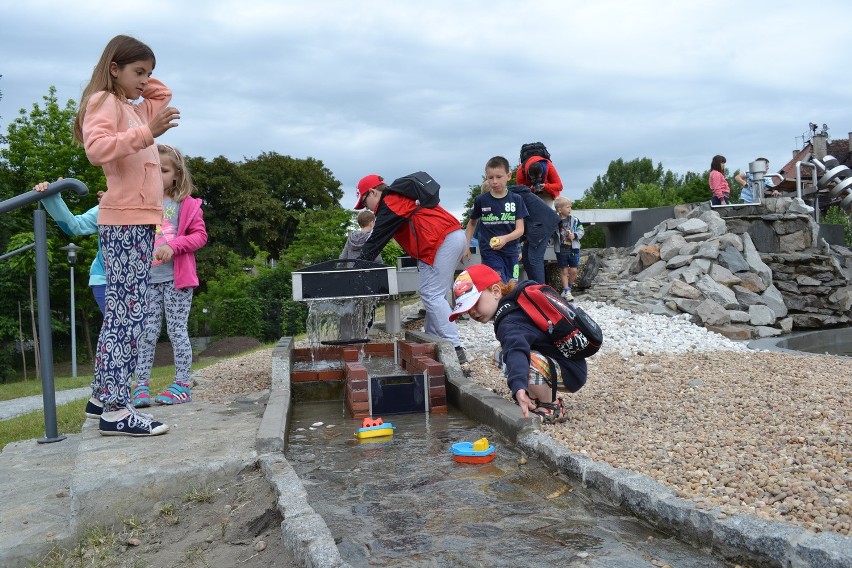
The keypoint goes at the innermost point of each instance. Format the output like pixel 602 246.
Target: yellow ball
pixel 494 241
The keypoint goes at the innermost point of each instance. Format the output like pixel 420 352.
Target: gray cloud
pixel 442 86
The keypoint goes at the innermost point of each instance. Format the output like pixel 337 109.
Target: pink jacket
pixel 719 184
pixel 116 137
pixel 191 236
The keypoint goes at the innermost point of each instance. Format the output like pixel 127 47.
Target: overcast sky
pixel 394 87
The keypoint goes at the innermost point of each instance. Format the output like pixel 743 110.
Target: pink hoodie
pixel 116 137
pixel 191 236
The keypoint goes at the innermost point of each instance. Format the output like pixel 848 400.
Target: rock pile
pixel 705 263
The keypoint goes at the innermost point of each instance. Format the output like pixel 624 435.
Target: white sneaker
pixel 567 295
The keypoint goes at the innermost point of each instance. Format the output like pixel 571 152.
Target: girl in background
pixel 119 136
pixel 173 280
pixel 718 183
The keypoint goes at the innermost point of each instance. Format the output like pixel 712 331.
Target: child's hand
pixel 496 243
pixel 466 255
pixel 164 253
pixel 43 185
pixel 524 402
pixel 163 121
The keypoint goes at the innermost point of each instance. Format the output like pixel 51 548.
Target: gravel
pixel 762 433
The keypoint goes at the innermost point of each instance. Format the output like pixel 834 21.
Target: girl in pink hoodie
pixel 718 184
pixel 119 136
pixel 173 280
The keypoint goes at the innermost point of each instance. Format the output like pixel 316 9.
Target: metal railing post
pixel 45 334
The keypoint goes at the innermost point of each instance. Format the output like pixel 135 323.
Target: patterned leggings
pixel 127 252
pixel 163 297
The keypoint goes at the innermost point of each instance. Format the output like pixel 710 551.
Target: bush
pixel 238 317
pixel 294 316
pixel 837 216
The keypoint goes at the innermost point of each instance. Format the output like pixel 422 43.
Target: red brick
pixel 359 415
pixel 434 368
pixel 359 407
pixel 356 384
pixel 356 371
pixel 351 354
pixel 438 391
pixel 357 396
pixel 439 409
pixel 418 363
pixel 303 376
pixel 422 349
pixel 330 375
pixel 379 348
pixel 437 381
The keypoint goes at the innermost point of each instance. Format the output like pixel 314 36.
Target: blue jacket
pixel 85 224
pixel 542 221
pixel 518 335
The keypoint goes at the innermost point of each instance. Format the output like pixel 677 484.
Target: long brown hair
pixel 183 185
pixel 122 50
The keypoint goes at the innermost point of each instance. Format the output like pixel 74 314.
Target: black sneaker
pixel 94 408
pixel 460 353
pixel 132 423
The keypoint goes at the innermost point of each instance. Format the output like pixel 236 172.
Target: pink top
pixel 719 184
pixel 116 137
pixel 191 236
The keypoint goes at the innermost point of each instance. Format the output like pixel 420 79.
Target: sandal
pixel 551 412
pixel 141 396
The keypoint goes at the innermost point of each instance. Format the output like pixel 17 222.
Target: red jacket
pixel 552 183
pixel 419 231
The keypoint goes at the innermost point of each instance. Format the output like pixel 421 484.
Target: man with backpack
pixel 543 340
pixel 538 173
pixel 408 211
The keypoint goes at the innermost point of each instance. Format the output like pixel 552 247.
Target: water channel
pixel 404 502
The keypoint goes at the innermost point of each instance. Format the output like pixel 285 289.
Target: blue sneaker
pixel 175 394
pixel 128 422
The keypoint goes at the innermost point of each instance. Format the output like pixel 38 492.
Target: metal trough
pixel 344 279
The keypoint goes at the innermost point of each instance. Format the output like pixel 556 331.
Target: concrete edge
pixel 303 531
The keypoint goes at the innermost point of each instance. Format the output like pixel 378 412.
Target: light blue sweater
pixel 85 224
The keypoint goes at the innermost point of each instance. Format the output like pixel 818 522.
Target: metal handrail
pixel 33 196
pixel 45 333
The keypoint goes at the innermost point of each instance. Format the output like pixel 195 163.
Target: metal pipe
pixel 45 334
pixel 33 196
pixel 17 250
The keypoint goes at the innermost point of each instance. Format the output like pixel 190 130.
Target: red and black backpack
pixel 573 333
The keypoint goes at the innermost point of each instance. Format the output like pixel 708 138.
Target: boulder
pixel 760 315
pixel 712 313
pixel 723 276
pixel 717 293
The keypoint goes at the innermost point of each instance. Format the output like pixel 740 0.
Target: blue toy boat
pixel 473 452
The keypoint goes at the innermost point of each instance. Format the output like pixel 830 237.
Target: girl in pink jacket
pixel 173 280
pixel 718 183
pixel 119 136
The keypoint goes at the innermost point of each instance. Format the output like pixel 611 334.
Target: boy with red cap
pixel 431 235
pixel 528 358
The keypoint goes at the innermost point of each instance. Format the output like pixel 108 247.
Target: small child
pixel 172 282
pixel 568 258
pixel 501 216
pixel 527 356
pixel 366 220
pixel 718 184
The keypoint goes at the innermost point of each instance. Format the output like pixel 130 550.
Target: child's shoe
pixel 141 396
pixel 567 295
pixel 128 422
pixel 175 394
pixel 94 408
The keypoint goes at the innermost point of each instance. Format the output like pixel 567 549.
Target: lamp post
pixel 72 249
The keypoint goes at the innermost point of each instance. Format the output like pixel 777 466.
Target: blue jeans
pixel 506 265
pixel 533 261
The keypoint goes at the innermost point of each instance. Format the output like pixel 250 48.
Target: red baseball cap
pixel 366 184
pixel 469 286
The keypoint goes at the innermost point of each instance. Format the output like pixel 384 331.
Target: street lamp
pixel 72 249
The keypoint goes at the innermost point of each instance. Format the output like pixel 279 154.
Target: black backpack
pixel 533 149
pixel 418 186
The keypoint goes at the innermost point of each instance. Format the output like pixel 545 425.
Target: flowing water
pixel 402 501
pixel 339 319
